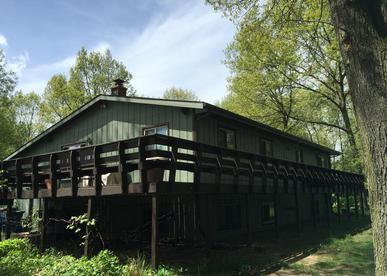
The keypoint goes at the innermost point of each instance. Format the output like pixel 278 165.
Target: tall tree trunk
pixel 361 30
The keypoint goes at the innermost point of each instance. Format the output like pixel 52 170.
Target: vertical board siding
pixel 117 121
pixel 247 139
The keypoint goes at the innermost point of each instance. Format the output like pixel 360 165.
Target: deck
pixel 27 177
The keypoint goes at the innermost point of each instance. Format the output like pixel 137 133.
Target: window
pixel 74 145
pixel 321 161
pixel 226 138
pixel 229 216
pixel 266 147
pixel 268 213
pixel 299 156
pixel 162 129
pixel 156 130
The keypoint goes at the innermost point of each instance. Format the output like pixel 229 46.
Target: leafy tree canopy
pixel 175 93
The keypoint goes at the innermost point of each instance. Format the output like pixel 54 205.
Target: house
pixel 272 199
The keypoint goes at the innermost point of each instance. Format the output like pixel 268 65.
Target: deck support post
pixel 362 202
pixel 90 209
pixel 296 203
pixel 328 205
pixel 347 200
pixel 8 224
pixel 338 203
pixel 313 209
pixel 155 232
pixel 276 206
pixel 355 200
pixel 248 224
pixel 43 225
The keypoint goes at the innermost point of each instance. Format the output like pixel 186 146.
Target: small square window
pixel 163 129
pixel 226 138
pixel 268 213
pixel 299 156
pixel 266 147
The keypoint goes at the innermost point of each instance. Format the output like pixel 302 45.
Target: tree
pixel 26 108
pixel 361 31
pixel 8 141
pixel 92 75
pixel 175 93
pixel 276 66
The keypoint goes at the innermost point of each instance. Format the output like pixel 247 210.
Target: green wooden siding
pixel 111 121
pixel 247 139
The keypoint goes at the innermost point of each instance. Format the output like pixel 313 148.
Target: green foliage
pixel 175 93
pixel 8 131
pixel 76 223
pixel 286 71
pixel 26 108
pixel 19 258
pixel 31 222
pixel 92 75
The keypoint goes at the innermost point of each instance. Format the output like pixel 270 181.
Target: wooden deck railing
pixel 42 176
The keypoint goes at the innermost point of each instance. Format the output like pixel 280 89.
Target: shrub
pixel 18 257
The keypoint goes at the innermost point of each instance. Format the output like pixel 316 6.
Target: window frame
pixel 226 129
pixel 269 142
pixel 270 219
pixel 300 155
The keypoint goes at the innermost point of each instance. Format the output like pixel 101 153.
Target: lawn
pixel 352 255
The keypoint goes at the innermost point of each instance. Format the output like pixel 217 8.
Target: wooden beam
pixel 87 245
pixel 19 178
pixel 9 214
pixel 53 175
pixel 362 202
pixel 296 203
pixel 355 200
pixel 313 209
pixel 155 232
pixel 248 223
pixel 74 173
pixel 347 199
pixel 328 205
pixel 43 225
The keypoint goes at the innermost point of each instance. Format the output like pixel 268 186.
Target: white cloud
pixel 3 40
pixel 183 48
pixel 101 47
pixel 19 63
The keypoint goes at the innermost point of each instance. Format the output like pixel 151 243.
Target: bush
pixel 18 257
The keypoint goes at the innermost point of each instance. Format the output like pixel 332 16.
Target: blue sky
pixel 163 43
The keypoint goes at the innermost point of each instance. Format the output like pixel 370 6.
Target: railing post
pixel 53 175
pixel 122 168
pixel 35 178
pixel 19 178
pixel 172 171
pixel 74 173
pixel 141 165
pixel 97 171
pixel 155 232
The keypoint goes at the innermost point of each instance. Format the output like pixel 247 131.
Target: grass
pixel 352 255
pixel 321 252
